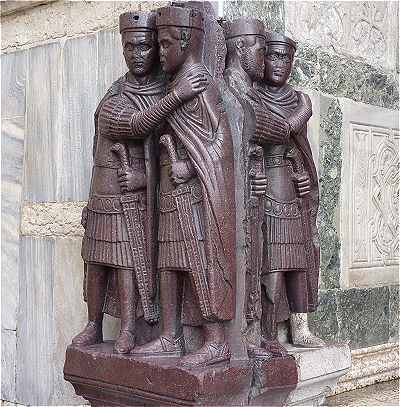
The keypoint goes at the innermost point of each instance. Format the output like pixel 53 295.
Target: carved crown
pixel 137 20
pixel 272 37
pixel 243 26
pixel 180 17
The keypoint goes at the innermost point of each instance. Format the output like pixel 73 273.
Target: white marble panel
pixel 8 356
pixel 43 118
pixel 12 152
pixel 370 195
pixel 70 314
pixel 79 101
pixel 35 341
pixel 317 379
pixel 367 30
pixel 111 60
pixel 13 79
pixel 313 125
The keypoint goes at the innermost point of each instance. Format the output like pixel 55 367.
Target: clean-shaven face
pixel 140 51
pixel 278 64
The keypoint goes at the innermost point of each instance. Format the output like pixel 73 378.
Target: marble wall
pixel 58 60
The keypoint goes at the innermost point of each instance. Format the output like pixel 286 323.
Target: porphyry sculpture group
pixel 160 239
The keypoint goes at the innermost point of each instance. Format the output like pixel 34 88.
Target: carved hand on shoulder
pixel 302 184
pixel 191 86
pixel 131 180
pixel 181 171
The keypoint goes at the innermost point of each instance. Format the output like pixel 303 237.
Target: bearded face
pixel 252 57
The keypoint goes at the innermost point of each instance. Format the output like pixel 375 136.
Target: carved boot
pixel 92 334
pixel 125 342
pixel 301 335
pixel 163 346
pixel 214 349
pixel 275 347
pixel 208 354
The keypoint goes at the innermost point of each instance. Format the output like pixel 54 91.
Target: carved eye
pixel 144 48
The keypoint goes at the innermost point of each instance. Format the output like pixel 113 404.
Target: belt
pixel 112 203
pixel 272 207
pixel 167 199
pixel 276 161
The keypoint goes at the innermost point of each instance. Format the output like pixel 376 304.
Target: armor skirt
pixel 284 246
pixel 106 238
pixel 171 245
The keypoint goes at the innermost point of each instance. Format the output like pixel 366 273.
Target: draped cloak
pixel 142 97
pixel 284 104
pixel 202 127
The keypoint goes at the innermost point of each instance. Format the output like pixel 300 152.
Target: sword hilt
pixel 168 143
pixel 120 151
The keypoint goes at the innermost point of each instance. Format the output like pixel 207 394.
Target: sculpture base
pixel 108 379
pixel 319 370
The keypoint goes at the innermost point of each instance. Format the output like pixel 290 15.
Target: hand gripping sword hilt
pixel 120 151
pixel 168 143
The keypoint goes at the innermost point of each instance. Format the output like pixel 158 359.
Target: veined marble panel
pixel 370 195
pixel 70 315
pixel 365 29
pixel 12 153
pixel 35 341
pixel 111 60
pixel 8 356
pixel 13 79
pixel 79 101
pixel 43 119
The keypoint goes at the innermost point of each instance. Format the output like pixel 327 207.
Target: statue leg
pixel 170 342
pixel 215 349
pixel 271 290
pixel 296 286
pixel 128 300
pixel 96 280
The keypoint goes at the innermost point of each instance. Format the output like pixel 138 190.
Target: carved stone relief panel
pixel 370 198
pixel 361 29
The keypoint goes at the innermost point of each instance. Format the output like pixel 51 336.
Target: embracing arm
pixel 270 129
pixel 301 114
pixel 119 119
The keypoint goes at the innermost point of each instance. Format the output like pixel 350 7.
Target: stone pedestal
pixel 108 379
pixel 105 378
pixel 318 372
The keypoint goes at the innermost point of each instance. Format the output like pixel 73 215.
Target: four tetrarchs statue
pixel 160 240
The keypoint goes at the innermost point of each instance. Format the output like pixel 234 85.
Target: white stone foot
pixel 301 335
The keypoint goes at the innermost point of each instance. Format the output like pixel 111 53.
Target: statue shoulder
pixel 113 90
pixel 116 87
pixel 304 99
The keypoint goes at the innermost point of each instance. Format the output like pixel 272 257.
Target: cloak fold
pixel 202 127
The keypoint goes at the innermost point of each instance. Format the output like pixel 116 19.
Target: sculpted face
pixel 278 64
pixel 252 56
pixel 172 56
pixel 140 51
